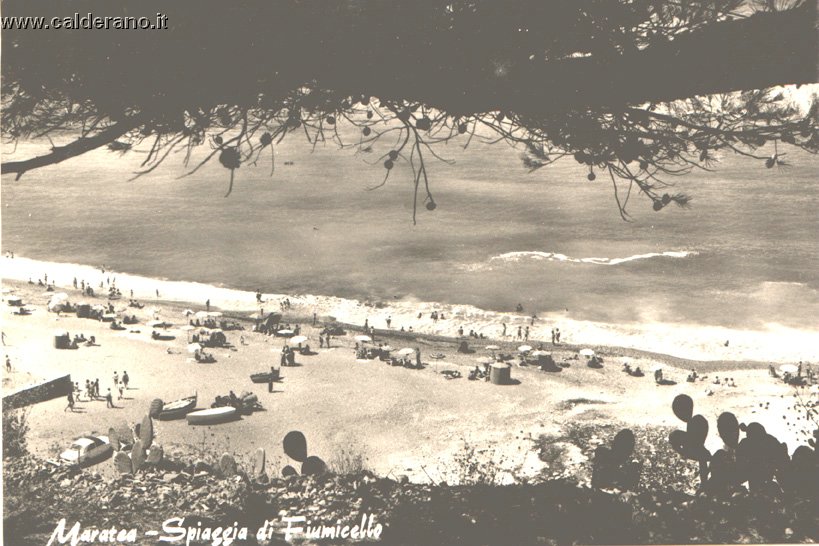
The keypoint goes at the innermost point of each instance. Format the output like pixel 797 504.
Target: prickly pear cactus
pixel 227 465
pixel 155 455
pixel 122 462
pixel 690 443
pixel 138 455
pixel 146 432
pixel 113 439
pixel 295 447
pixel 156 408
pixel 258 462
pixel 611 466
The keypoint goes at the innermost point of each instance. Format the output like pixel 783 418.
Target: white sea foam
pixel 772 342
pixel 556 257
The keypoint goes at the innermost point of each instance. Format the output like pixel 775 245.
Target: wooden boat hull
pixel 212 416
pixel 177 409
pixel 265 377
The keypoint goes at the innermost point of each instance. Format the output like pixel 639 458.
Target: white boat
pixel 212 415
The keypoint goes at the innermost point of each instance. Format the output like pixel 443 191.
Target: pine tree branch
pixel 73 149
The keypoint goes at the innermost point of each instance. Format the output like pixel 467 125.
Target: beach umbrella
pixel 214 314
pixel 193 347
pixel 492 348
pixel 188 328
pixel 363 338
pixel 586 352
pixel 386 348
pixel 525 348
pixel 298 339
pixel 286 332
pixel 541 353
pixel 788 368
pixel 187 312
pixel 485 360
pixel 201 314
pixel 406 351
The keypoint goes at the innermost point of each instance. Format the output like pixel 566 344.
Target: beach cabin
pixel 62 340
pixel 500 373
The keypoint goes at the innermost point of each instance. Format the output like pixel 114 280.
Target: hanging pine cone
pixel 230 158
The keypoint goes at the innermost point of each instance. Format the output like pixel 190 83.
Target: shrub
pixel 15 430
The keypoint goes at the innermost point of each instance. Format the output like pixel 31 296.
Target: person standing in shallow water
pixel 207 305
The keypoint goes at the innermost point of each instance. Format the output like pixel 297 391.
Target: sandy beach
pixel 402 421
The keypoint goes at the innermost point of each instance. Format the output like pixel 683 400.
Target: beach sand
pixel 404 422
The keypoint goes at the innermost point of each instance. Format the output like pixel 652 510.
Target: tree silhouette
pixel 636 90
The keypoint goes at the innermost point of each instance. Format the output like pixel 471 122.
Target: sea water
pixel 742 258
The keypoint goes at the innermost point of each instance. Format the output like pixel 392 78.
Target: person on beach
pixel 557 335
pixel 8 363
pixel 125 379
pixel 418 357
pixel 520 333
pixel 258 296
pixel 389 321
pixel 366 324
pixel 314 318
pixel 116 378
pixel 96 387
pixel 109 399
pixel 121 389
pixel 207 305
pixel 526 334
pixel 157 292
pixel 70 405
pixel 519 308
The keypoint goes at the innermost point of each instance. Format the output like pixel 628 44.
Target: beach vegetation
pixel 559 80
pixel 15 431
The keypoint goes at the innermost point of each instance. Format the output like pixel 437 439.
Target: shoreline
pixel 681 343
pixel 411 422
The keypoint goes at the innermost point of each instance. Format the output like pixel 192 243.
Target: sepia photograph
pixel 409 272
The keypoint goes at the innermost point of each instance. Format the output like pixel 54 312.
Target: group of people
pixel 472 333
pixel 324 338
pixel 92 391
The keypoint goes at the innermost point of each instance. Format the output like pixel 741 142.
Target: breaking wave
pixel 555 257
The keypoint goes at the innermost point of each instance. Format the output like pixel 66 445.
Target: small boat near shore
pixel 212 416
pixel 265 377
pixel 178 408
